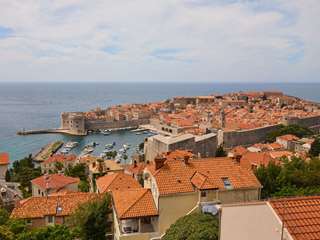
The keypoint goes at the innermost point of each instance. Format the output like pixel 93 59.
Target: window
pixel 203 193
pixel 29 222
pixel 227 184
pixel 50 219
pixel 39 191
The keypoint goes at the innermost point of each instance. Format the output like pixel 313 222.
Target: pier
pixel 47 131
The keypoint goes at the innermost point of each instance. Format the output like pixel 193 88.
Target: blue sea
pixel 38 105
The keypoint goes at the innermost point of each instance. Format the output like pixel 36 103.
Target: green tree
pixel 296 130
pixel 197 226
pixel 58 166
pixel 84 186
pixel 5 233
pixel 90 219
pixel 268 177
pixel 221 152
pixel 294 177
pixel 4 216
pixel 79 170
pixel 23 171
pixel 315 148
pixel 141 146
pixel 56 232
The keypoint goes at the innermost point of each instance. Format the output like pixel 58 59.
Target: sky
pixel 160 40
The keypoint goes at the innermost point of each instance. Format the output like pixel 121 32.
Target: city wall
pixel 252 136
pixel 247 137
pixel 102 124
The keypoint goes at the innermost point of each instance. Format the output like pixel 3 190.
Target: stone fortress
pixel 201 123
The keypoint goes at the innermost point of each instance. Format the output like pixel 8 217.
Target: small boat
pixel 121 150
pixel 71 144
pixel 92 144
pixel 139 133
pixel 109 146
pixel 105 132
pixel 65 151
pixel 125 146
pixel 87 150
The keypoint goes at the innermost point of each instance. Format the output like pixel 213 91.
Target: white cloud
pixel 167 40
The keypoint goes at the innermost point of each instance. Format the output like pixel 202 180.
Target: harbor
pixel 125 143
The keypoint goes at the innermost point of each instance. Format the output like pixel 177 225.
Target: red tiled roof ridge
pixel 112 176
pixel 294 198
pixel 135 202
pixel 59 180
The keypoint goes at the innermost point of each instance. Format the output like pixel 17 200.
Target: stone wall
pixel 247 137
pixel 102 124
pixel 252 136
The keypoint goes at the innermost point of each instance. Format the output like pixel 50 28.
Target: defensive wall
pixel 252 136
pixel 247 137
pixel 102 124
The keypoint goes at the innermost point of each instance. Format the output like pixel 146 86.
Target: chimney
pixel 186 159
pixel 238 158
pixel 159 161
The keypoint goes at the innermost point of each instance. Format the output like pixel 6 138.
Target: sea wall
pixel 102 124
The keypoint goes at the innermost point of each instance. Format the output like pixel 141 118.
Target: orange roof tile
pixel 255 158
pixel 280 154
pixel 134 203
pixel 54 181
pixel 136 168
pixel 288 137
pixel 239 150
pixel 178 177
pixel 116 181
pixel 38 207
pixel 301 216
pixel 60 158
pixel 4 158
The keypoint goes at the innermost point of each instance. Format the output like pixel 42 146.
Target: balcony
pixel 137 225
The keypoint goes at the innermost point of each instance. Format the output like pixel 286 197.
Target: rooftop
pixel 38 207
pixel 301 216
pixel 134 203
pixel 54 181
pixel 116 181
pixel 60 158
pixel 210 173
pixel 4 158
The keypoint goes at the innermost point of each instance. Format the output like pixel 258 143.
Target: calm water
pixel 38 105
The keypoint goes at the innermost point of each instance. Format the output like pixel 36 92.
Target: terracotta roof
pixel 239 150
pixel 280 154
pixel 116 181
pixel 288 137
pixel 60 158
pixel 136 168
pixel 4 158
pixel 134 203
pixel 38 207
pixel 300 215
pixel 54 181
pixel 274 146
pixel 255 158
pixel 178 154
pixel 178 177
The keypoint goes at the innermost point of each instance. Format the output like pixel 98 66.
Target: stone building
pixel 74 123
pixel 201 146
